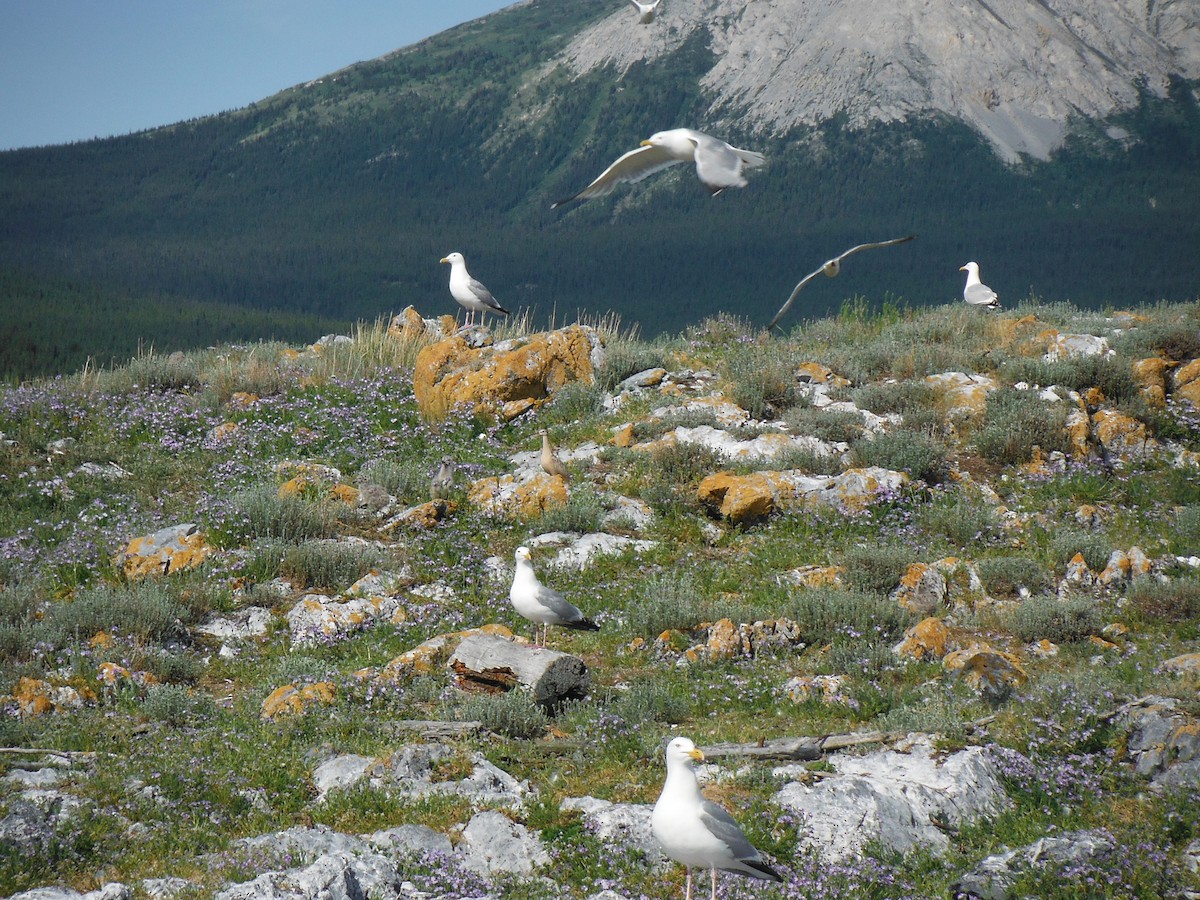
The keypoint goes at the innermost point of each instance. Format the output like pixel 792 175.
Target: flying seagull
pixel 698 832
pixel 718 164
pixel 542 605
pixel 646 11
pixel 551 464
pixel 832 267
pixel 977 293
pixel 470 294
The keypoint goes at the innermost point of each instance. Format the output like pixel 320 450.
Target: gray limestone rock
pixel 624 824
pixel 493 843
pixel 994 877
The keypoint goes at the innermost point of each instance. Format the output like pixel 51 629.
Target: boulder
pixel 962 396
pixel 517 497
pixel 922 589
pixel 767 446
pixel 623 824
pixel 494 844
pixel 995 877
pixel 172 549
pixel 408 325
pixel 290 700
pixel 746 498
pixel 112 891
pixel 577 551
pixel 929 639
pixel 429 655
pixel 453 373
pixel 904 799
pixel 991 672
pixel 1071 346
pixel 826 688
pixel 1187 382
pixel 1151 375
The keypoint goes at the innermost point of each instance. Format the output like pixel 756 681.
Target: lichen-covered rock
pixel 519 498
pixel 292 700
pixel 492 844
pixel 1123 566
pixel 826 688
pixel 746 498
pixel 1071 346
pixel 451 372
pixel 1121 435
pixel 962 396
pixel 408 325
pixel 929 639
pixel 429 655
pixel 168 550
pixel 991 672
pixel 35 697
pixel 1151 375
pixel 922 589
pixel 1187 382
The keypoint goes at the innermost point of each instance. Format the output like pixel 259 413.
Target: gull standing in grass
pixel 442 483
pixel 698 832
pixel 976 292
pixel 542 605
pixel 718 164
pixel 646 11
pixel 470 294
pixel 831 268
pixel 551 464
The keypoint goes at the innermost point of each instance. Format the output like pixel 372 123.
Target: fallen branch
pixel 436 730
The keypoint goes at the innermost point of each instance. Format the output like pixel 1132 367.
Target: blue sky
pixel 72 70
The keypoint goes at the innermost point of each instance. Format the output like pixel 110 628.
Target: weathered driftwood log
pixel 487 662
pixel 436 730
pixel 803 748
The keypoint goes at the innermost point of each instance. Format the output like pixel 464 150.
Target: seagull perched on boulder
pixel 976 292
pixel 470 294
pixel 718 164
pixel 832 268
pixel 542 605
pixel 698 832
pixel 646 11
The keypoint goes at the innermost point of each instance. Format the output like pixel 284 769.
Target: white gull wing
pixel 629 168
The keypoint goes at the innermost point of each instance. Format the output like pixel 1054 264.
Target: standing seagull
pixel 698 832
pixel 470 294
pixel 976 292
pixel 646 11
pixel 832 267
pixel 718 164
pixel 551 464
pixel 442 483
pixel 542 605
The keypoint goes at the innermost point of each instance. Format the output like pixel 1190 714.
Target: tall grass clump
pixel 669 602
pixel 1111 374
pixel 964 521
pixel 1177 600
pixel 1009 577
pixel 583 512
pixel 327 565
pixel 1068 542
pixel 839 616
pixel 260 512
pixel 878 568
pixel 832 426
pixel 147 611
pixel 625 356
pixel 406 479
pixel 762 379
pixel 512 713
pixel 914 452
pixel 1015 422
pixel 1060 621
pixel 653 700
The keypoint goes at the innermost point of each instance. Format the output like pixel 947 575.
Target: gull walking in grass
pixel 470 294
pixel 976 292
pixel 542 605
pixel 698 832
pixel 718 164
pixel 646 11
pixel 831 268
pixel 442 483
pixel 551 464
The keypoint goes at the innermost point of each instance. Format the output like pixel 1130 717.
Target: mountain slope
pixel 336 198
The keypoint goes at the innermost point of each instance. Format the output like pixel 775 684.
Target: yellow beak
pixel 443 259
pixel 696 754
pixel 646 144
pixel 960 268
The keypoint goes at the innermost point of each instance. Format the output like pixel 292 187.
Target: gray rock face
pixel 624 824
pixel 493 843
pixel 114 891
pixel 993 878
pixel 1163 743
pixel 897 798
pixel 1012 70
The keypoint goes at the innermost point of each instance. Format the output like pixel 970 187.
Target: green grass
pixel 218 771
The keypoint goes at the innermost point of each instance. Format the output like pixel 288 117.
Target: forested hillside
pixel 334 201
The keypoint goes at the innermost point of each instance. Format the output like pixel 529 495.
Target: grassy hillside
pixel 185 763
pixel 336 199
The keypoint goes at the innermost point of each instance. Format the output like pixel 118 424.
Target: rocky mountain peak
pixel 1014 70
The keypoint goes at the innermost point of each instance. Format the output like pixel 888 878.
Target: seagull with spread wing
pixel 718 165
pixel 831 268
pixel 646 11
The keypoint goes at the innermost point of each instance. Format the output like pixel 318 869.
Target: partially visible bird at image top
pixel 442 483
pixel 976 292
pixel 542 605
pixel 646 11
pixel 832 268
pixel 551 464
pixel 718 164
pixel 470 294
pixel 698 832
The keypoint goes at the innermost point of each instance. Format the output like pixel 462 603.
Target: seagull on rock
pixel 718 164
pixel 646 11
pixel 698 832
pixel 832 268
pixel 470 294
pixel 542 605
pixel 976 292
